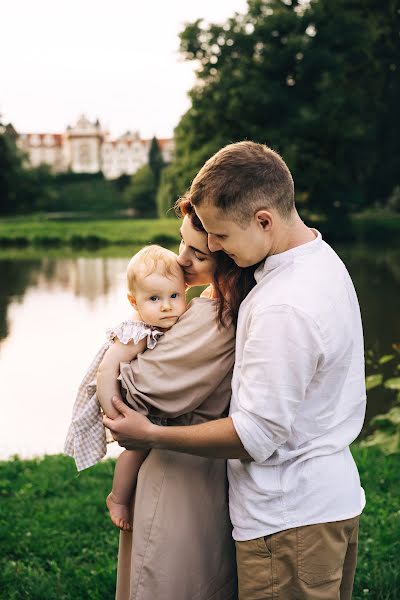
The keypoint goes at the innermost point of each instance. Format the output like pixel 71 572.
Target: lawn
pixel 57 542
pixel 36 230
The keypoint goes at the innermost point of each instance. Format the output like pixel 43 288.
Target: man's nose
pixel 213 244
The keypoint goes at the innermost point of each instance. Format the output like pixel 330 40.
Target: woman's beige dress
pixel 181 547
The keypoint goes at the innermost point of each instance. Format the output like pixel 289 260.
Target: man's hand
pixel 130 429
pixel 217 438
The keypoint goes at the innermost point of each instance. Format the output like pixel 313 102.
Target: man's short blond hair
pixel 151 259
pixel 241 179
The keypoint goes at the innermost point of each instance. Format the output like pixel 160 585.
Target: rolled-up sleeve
pixel 282 351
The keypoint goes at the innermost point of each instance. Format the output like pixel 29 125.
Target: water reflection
pixel 14 281
pixel 376 275
pixel 53 313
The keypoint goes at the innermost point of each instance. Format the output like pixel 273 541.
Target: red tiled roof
pixel 57 138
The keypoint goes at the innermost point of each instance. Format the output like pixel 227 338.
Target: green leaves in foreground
pixel 372 381
pixel 386 427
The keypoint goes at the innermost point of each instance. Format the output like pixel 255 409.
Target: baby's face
pixel 160 300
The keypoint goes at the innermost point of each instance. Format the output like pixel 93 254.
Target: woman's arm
pixel 108 372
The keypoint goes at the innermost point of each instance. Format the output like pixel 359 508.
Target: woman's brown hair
pixel 231 283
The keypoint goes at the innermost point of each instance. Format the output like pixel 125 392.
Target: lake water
pixel 53 313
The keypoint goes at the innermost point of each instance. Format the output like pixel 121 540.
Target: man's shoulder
pixel 310 285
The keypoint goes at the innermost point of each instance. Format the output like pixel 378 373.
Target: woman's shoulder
pixel 202 315
pixel 207 307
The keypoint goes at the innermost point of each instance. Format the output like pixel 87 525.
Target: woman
pixel 181 546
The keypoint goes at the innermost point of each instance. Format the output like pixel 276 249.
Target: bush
pixel 141 193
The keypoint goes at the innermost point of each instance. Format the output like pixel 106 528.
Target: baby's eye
pixel 154 298
pixel 175 295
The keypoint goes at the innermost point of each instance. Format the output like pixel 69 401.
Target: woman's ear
pixel 264 218
pixel 132 301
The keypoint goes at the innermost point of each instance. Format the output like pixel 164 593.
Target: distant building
pixel 86 148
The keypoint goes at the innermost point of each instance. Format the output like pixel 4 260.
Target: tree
pixel 22 190
pixel 10 167
pixel 141 193
pixel 317 81
pixel 156 161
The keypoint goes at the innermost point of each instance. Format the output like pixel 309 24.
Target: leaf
pixel 372 381
pixel 389 420
pixel 393 383
pixel 387 442
pixel 386 358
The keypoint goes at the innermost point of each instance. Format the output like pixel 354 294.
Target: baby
pixel 156 290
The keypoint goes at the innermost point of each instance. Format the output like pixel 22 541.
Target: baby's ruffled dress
pixel 87 437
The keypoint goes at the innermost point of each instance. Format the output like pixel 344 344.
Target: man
pixel 298 391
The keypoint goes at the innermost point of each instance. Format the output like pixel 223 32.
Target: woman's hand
pixel 130 429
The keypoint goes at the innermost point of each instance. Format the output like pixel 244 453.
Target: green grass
pixel 59 544
pixel 90 233
pixel 39 231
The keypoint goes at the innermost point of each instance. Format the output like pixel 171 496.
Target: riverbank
pixel 20 232
pixel 59 544
pixel 41 231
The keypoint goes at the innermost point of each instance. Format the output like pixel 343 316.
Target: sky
pixel 117 61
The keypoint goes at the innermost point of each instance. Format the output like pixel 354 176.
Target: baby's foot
pixel 119 513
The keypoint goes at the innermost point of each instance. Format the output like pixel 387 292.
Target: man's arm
pixel 216 438
pixel 276 369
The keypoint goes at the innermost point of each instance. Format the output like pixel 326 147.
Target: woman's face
pixel 194 257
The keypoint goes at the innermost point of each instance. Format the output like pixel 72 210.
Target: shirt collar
pixel 276 260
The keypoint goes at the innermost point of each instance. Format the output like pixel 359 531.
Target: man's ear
pixel 264 219
pixel 132 301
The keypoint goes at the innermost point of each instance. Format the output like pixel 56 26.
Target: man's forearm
pixel 216 439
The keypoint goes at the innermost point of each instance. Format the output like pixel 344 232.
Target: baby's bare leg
pixel 124 483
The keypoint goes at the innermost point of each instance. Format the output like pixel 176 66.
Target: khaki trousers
pixel 313 562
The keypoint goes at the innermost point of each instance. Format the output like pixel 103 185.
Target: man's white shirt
pixel 298 395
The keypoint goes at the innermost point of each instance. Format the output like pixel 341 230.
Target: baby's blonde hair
pixel 148 260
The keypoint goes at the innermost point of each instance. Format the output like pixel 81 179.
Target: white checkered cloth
pixel 87 437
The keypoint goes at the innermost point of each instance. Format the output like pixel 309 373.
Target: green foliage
pixel 10 164
pixel 373 381
pixel 21 190
pixel 26 190
pixel 156 161
pixel 385 428
pixel 316 81
pixel 86 192
pixel 140 194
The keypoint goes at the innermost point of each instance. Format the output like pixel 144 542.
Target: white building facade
pixel 86 148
